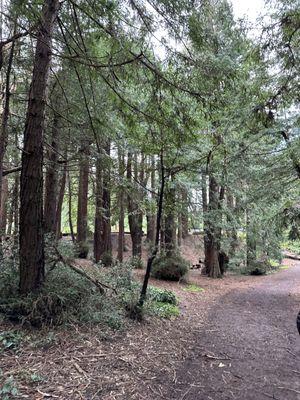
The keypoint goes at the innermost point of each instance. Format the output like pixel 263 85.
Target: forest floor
pixel 237 339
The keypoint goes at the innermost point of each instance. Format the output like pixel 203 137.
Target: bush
pixel 66 297
pixel 82 250
pixel 259 267
pixel 136 262
pixel 161 295
pixel 107 259
pixel 169 268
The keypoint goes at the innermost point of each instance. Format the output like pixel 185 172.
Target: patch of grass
pixel 193 288
pixel 164 310
pixel 284 267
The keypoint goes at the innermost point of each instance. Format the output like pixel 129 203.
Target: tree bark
pixel 213 245
pixel 170 226
pixel 185 214
pixel 134 214
pixel 4 121
pixel 3 209
pixel 31 182
pixel 204 210
pixel 121 236
pixel 51 180
pixel 60 200
pixel 102 233
pixel 157 234
pixel 83 202
pixel 150 214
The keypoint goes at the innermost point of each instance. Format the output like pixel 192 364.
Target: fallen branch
pixel 71 264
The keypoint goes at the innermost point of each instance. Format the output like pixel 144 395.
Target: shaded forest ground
pixel 237 339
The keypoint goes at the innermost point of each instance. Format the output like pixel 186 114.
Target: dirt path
pixel 249 347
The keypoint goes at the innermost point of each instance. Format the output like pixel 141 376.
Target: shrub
pixel 164 310
pixel 82 250
pixel 136 262
pixel 107 259
pixel 161 295
pixel 259 267
pixel 171 268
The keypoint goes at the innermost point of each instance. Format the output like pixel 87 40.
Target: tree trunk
pixel 102 233
pixel 213 245
pixel 121 237
pixel 205 216
pixel 157 234
pixel 83 202
pixel 250 242
pixel 4 134
pixel 3 209
pixel 134 213
pixel 60 200
pixel 31 183
pixel 150 214
pixel 170 226
pixel 51 180
pixel 70 194
pixel 185 214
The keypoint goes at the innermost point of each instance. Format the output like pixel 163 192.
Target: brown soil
pixel 235 340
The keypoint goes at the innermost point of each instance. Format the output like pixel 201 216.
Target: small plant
pixel 136 262
pixel 163 310
pixel 82 250
pixel 9 389
pixel 193 288
pixel 172 268
pixel 161 295
pixel 10 340
pixel 107 259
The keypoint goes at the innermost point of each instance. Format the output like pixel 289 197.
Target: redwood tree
pixel 32 261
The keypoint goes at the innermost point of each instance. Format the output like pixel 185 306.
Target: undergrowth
pixel 67 297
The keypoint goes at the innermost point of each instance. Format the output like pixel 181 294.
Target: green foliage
pixel 9 389
pixel 193 288
pixel 172 268
pixel 82 250
pixel 10 340
pixel 259 267
pixel 164 310
pixel 107 259
pixel 161 295
pixel 136 262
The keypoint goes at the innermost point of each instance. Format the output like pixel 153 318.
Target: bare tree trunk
pixel 170 228
pixel 213 245
pixel 121 237
pixel 3 209
pixel 204 210
pixel 98 211
pixel 185 214
pixel 60 200
pixel 83 202
pixel 134 214
pixel 157 234
pixel 51 180
pixel 102 234
pixel 70 194
pixel 31 183
pixel 150 213
pixel 4 121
